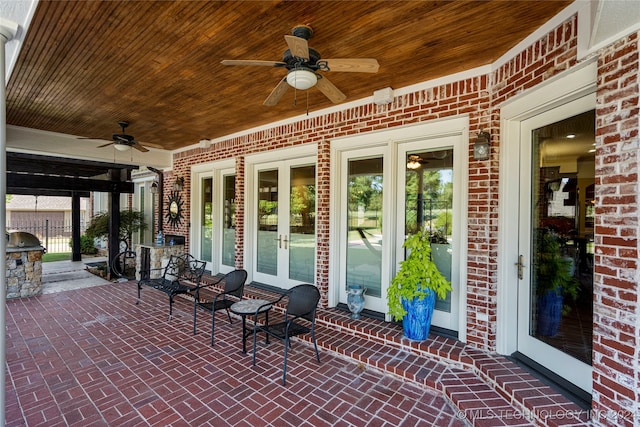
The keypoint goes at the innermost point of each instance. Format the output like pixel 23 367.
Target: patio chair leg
pixel 313 337
pixel 284 368
pixel 229 316
pixel 254 345
pixel 170 306
pixel 138 300
pixel 195 312
pixel 213 325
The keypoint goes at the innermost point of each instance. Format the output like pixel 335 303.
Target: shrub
pixel 87 245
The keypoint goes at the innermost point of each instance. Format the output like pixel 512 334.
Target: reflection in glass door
pixel 206 219
pixel 285 224
pixel 557 225
pixel 302 224
pixel 267 239
pixel 430 197
pixel 364 225
pixel 228 217
pixel 429 206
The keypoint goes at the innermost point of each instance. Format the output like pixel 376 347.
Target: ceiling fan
pixel 122 141
pixel 303 65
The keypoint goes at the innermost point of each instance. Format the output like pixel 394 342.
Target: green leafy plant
pixel 417 274
pixel 553 271
pixel 131 221
pixel 87 245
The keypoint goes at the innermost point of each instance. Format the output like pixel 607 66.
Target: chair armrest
pixel 270 303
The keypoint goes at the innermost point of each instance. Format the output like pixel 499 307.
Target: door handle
pixel 520 265
pixel 286 242
pixel 279 240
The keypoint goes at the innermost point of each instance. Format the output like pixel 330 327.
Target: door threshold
pixel 553 380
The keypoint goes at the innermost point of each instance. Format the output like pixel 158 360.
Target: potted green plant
pixel 411 297
pixel 554 282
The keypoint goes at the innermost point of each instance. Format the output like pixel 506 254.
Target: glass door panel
pixel 206 219
pixel 267 238
pixel 428 206
pixel 228 220
pixel 430 195
pixel 302 224
pixel 364 225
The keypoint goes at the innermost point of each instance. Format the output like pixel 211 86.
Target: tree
pixel 131 221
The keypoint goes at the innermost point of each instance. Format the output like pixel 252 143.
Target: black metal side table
pixel 246 308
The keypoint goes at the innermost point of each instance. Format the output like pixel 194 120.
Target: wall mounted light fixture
pixel 178 185
pixel 482 147
pixel 154 187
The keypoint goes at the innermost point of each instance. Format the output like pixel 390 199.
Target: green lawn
pixel 63 256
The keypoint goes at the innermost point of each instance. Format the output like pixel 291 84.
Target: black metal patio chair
pixel 233 287
pixel 182 275
pixel 301 306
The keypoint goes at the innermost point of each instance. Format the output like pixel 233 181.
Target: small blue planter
pixel 417 322
pixel 549 313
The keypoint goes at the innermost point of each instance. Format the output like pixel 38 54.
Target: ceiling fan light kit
pixel 305 69
pixel 302 79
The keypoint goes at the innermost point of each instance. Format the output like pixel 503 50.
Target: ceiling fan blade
pixel 298 46
pixel 276 93
pixel 151 144
pixel 253 62
pixel 105 145
pixel 357 65
pixel 330 91
pixel 139 147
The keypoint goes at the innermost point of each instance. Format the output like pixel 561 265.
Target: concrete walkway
pixel 61 276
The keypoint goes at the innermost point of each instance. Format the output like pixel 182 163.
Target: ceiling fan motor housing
pixel 294 62
pixel 302 31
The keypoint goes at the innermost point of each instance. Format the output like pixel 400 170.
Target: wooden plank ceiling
pixel 85 65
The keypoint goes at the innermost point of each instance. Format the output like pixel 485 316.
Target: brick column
pixel 616 370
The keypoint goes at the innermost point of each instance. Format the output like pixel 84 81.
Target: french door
pixel 387 185
pixel 283 216
pixel 213 215
pixel 556 224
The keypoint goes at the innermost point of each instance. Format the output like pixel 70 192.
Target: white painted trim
pixel 562 88
pixel 288 153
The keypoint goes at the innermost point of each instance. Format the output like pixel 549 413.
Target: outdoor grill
pixel 22 239
pixel 23 263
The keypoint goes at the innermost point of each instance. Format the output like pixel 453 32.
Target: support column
pixel 114 227
pixel 75 227
pixel 8 31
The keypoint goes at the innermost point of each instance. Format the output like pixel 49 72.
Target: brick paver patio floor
pixel 93 357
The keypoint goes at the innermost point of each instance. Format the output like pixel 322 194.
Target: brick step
pixel 487 388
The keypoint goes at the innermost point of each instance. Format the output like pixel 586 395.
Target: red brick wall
pixel 474 97
pixel 616 377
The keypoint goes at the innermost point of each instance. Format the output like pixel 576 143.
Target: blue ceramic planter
pixel 417 322
pixel 549 313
